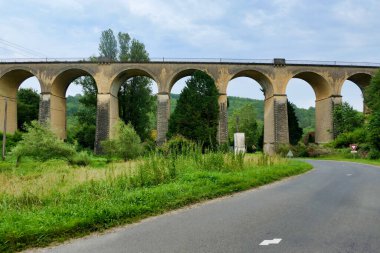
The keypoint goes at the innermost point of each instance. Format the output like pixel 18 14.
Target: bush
pixel 82 158
pixel 40 143
pixel 309 138
pixel 126 144
pixel 344 140
pixel 179 145
pixel 12 139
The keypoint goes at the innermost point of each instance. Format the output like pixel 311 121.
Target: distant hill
pixel 306 117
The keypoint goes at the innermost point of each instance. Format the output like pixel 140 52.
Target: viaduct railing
pixel 275 61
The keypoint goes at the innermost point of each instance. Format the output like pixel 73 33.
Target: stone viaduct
pixel 55 77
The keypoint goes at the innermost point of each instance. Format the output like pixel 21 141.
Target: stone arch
pixel 323 104
pixel 10 81
pixel 124 75
pixel 58 98
pixel 65 77
pixel 361 79
pixel 259 77
pixel 184 73
pixel 12 78
pixel 320 85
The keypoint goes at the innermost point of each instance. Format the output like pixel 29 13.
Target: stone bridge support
pixel 107 115
pixel 275 123
pixel 11 113
pixel 324 121
pixel 222 134
pixel 163 115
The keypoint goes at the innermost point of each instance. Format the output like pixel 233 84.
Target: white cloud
pixel 359 13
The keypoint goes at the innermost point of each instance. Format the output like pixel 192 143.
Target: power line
pixel 21 48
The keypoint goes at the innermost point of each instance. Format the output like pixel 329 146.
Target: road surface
pixel 333 208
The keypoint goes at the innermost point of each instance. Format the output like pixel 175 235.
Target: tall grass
pixel 54 201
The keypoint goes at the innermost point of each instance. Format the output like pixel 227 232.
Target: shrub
pixel 179 145
pixel 82 158
pixel 126 144
pixel 314 150
pixel 344 140
pixel 309 138
pixel 41 143
pixel 12 139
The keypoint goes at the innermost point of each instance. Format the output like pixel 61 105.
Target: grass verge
pixel 344 158
pixel 38 218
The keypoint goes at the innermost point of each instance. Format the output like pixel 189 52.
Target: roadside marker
pixel 268 242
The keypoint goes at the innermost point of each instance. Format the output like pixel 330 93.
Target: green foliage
pixel 12 139
pixel 28 102
pixel 371 97
pixel 40 143
pixel 302 150
pixel 85 124
pixel 82 158
pixel 125 145
pixel 357 136
pixel 108 45
pixel 197 111
pixel 136 102
pixel 306 117
pixel 247 124
pixel 179 145
pixel 295 131
pixel 32 220
pixel 346 119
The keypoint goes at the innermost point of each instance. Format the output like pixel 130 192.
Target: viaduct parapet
pixel 55 77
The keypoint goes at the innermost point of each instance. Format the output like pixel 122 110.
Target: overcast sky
pixel 340 30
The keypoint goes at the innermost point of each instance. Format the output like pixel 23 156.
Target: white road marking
pixel 268 242
pixel 348 175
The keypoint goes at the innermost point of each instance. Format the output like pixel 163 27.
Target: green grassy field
pixel 41 203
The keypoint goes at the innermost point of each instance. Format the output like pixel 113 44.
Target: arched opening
pixel 177 84
pixel 71 119
pixel 311 95
pixel 246 103
pixel 353 95
pixel 302 96
pixel 134 100
pixel 194 105
pixel 10 84
pixel 353 88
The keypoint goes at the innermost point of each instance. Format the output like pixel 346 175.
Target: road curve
pixel 333 208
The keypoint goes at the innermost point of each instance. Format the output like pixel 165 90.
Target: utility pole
pixel 5 127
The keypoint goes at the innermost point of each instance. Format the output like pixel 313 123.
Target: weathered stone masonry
pixel 54 78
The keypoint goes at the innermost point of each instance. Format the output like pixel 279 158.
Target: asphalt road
pixel 333 208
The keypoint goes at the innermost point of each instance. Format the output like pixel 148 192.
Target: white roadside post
pixel 239 143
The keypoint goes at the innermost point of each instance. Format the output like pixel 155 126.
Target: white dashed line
pixel 268 242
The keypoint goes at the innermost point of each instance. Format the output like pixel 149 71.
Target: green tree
pixel 295 131
pixel 135 96
pixel 247 124
pixel 371 98
pixel 108 45
pixel 85 125
pixel 197 111
pixel 28 101
pixel 346 119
